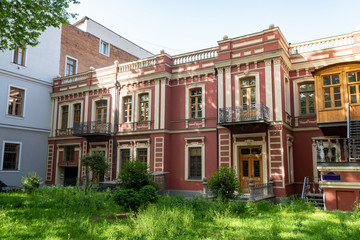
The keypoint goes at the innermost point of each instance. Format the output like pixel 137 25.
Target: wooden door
pixel 250 165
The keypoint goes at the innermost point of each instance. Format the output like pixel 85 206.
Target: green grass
pixel 70 213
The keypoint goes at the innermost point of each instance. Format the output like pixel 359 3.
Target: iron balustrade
pixel 337 150
pixel 90 128
pixel 253 112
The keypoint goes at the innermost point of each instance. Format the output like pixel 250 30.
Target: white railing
pixel 143 63
pixel 74 78
pixel 195 56
pixel 337 41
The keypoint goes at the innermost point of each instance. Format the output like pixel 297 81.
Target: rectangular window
pixel 144 107
pixel 125 156
pixel 196 103
pixel 19 55
pixel 101 111
pixel 332 91
pixel 69 153
pixel 307 98
pixel 11 156
pixel 77 113
pixel 127 109
pixel 70 66
pixel 354 87
pixel 248 93
pixel 195 163
pixel 64 117
pixel 16 101
pixel 142 154
pixel 104 48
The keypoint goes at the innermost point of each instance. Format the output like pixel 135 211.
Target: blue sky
pixel 189 25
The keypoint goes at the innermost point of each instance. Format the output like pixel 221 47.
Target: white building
pixel 25 87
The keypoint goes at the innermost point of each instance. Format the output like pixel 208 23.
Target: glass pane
pixel 337 103
pixel 353 99
pixel 256 168
pixel 311 110
pixel 245 151
pixel 244 82
pixel 337 96
pixel 199 99
pixel 358 76
pixel 335 79
pixel 303 103
pixel 352 89
pixel 326 80
pixel 245 166
pixel 199 114
pixel 302 96
pixel 199 91
pixel 351 77
pixel 327 98
pixel 303 110
pixel 328 104
pixel 327 91
pixel 303 87
pixel 252 82
pixel 199 107
pixel 256 151
pixel 310 86
pixel 337 90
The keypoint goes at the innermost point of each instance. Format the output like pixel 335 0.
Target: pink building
pixel 254 103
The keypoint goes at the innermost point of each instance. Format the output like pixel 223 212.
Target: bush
pixel 224 183
pixel 132 199
pixel 31 182
pixel 128 198
pixel 148 194
pixel 136 175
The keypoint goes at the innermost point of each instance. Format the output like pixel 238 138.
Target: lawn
pixel 70 213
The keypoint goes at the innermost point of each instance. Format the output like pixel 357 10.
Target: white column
pixel 220 88
pixel 268 84
pixel 54 116
pixel 278 89
pixel 86 107
pixel 156 104
pixel 228 91
pixel 162 109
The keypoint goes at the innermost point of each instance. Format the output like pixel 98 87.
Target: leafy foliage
pixel 224 183
pixel 128 198
pixel 97 163
pixel 148 194
pixel 24 20
pixel 31 182
pixel 135 175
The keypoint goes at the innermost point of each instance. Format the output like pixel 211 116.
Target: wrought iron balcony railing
pixel 92 128
pixel 244 113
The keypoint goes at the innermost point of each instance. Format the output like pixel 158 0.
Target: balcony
pixel 337 152
pixel 243 114
pixel 92 129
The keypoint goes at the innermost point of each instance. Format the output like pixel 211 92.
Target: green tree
pixel 97 163
pixel 23 21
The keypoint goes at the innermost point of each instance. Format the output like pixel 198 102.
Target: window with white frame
pixel 194 158
pixel 104 48
pixel 194 101
pixel 16 101
pixel 11 156
pixel 19 55
pixel 70 66
pixel 124 157
pixel 127 109
pixel 64 116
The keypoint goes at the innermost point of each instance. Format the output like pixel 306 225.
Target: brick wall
pixel 84 47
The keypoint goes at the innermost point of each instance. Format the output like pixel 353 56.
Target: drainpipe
pixel 116 83
pixel 217 118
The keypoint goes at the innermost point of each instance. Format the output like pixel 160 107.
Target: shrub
pixel 148 194
pixel 97 163
pixel 224 183
pixel 135 175
pixel 31 182
pixel 132 199
pixel 128 198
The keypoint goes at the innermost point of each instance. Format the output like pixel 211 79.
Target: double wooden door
pixel 250 165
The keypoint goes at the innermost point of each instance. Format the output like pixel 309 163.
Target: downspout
pixel 217 118
pixel 116 83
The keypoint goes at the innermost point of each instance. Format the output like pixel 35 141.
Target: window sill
pixel 331 109
pixel 193 180
pixel 18 65
pixel 9 171
pixel 14 116
pixel 107 55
